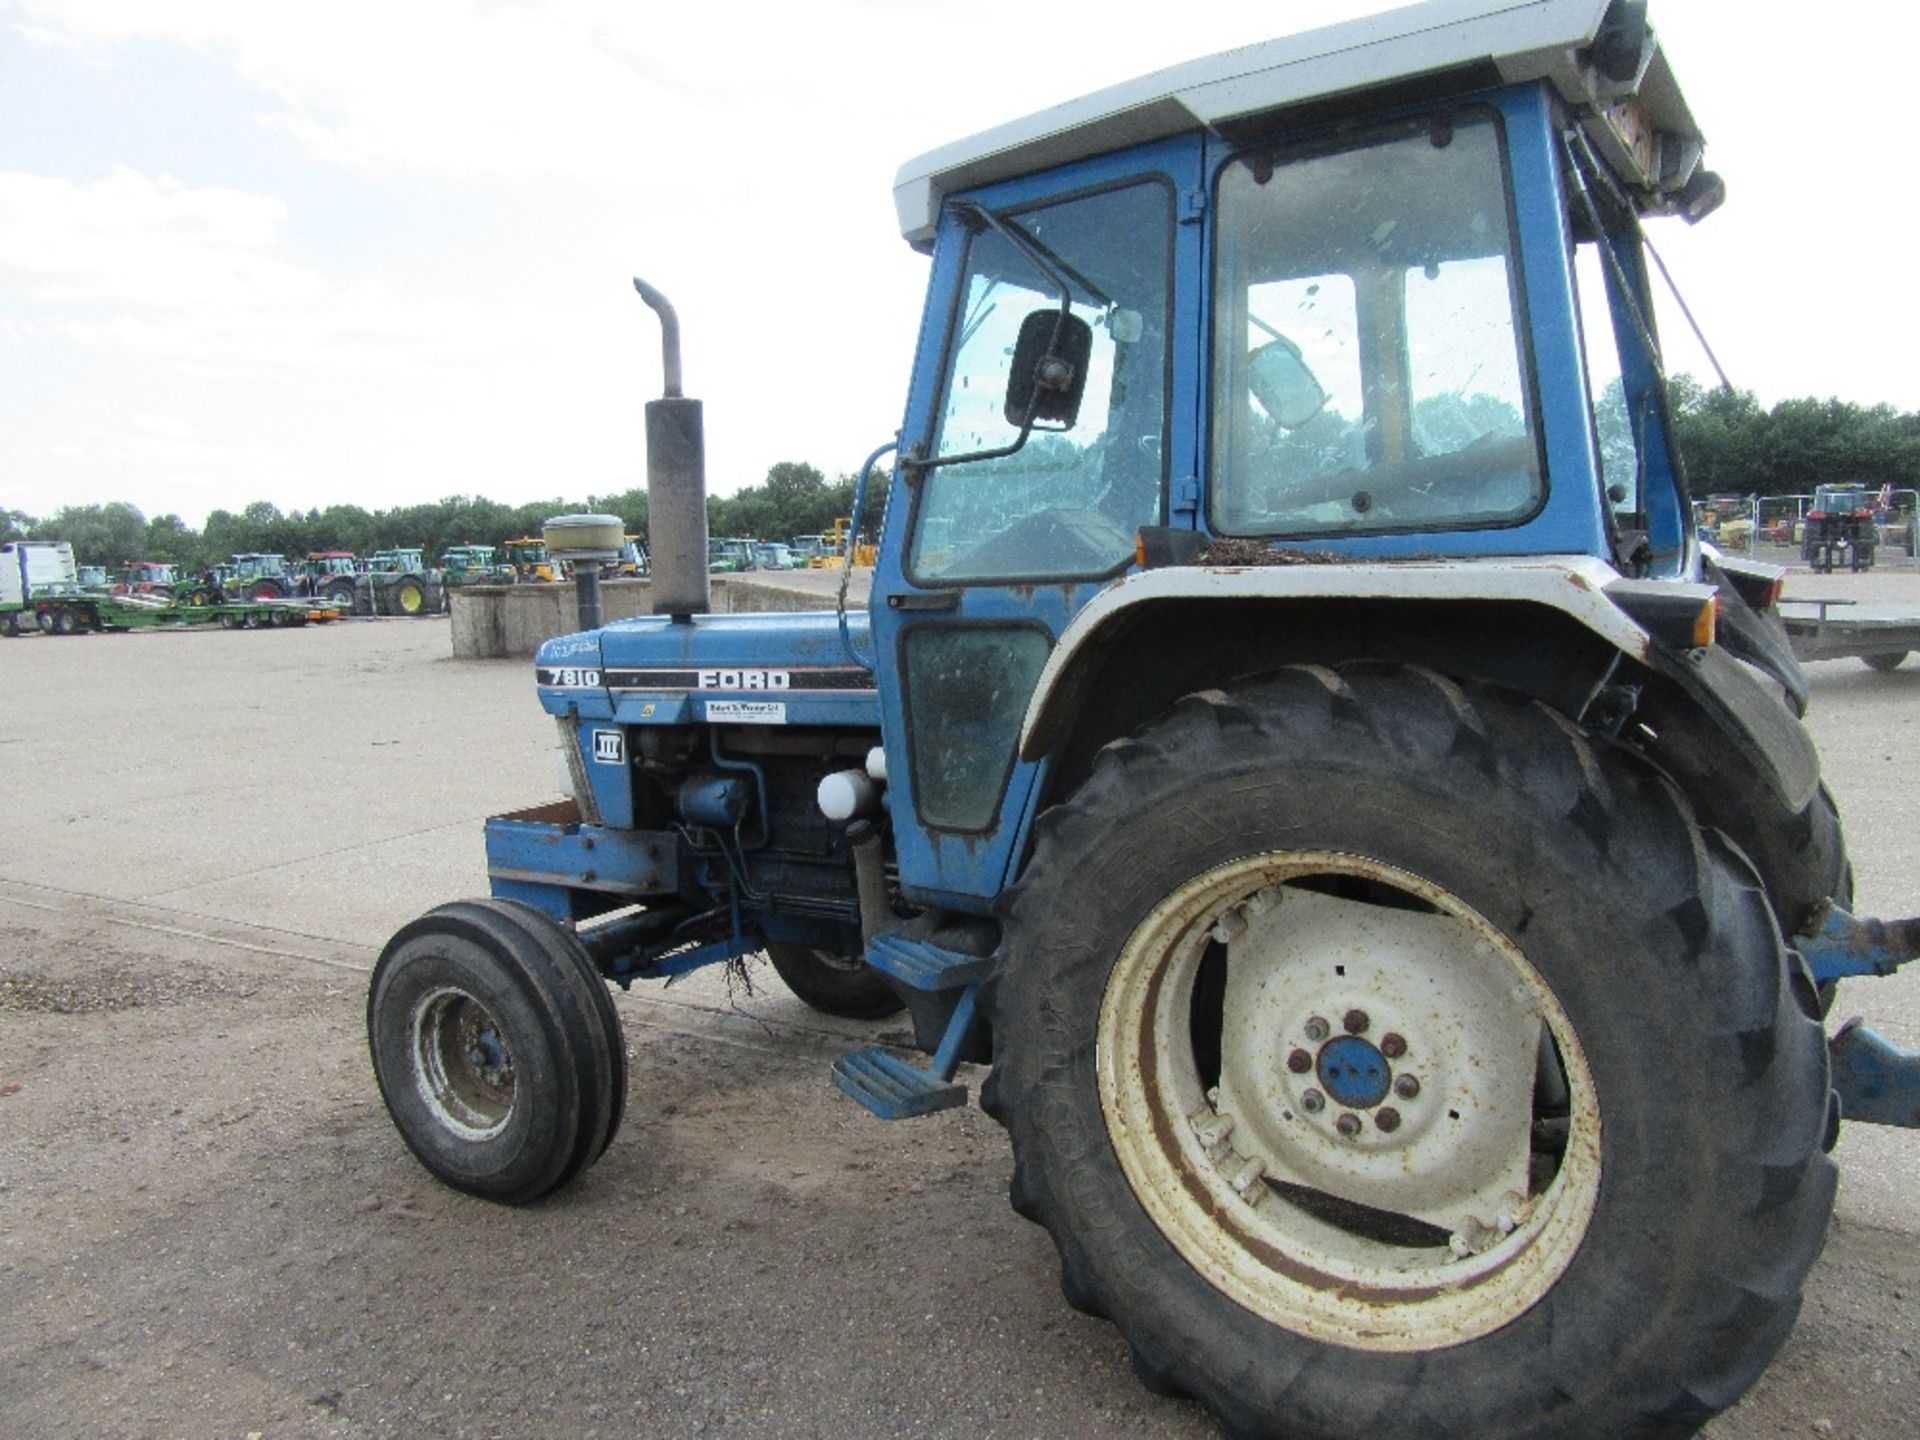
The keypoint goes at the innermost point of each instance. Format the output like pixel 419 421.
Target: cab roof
pixel 1629 102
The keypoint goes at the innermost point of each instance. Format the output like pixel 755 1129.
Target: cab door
pixel 1005 517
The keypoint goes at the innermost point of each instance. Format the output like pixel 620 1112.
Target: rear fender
pixel 1281 613
pixel 1724 730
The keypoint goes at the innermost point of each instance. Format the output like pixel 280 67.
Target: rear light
pixel 1705 623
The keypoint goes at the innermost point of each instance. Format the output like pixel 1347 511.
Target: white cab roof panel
pixel 1513 40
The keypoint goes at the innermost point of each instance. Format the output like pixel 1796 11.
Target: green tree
pixel 106 535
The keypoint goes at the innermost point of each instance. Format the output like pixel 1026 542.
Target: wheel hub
pixel 1354 1072
pixel 462 1067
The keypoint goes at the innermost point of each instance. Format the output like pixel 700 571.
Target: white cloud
pixel 162 427
pixel 192 276
pixel 147 240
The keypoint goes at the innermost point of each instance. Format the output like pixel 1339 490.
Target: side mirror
pixel 1049 370
pixel 1284 386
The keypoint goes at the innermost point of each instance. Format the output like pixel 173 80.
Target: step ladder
pixel 897 1089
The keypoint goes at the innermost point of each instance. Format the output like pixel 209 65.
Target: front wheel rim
pixel 1342 1157
pixel 462 1066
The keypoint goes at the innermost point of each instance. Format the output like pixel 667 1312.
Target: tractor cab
pixel 145 577
pixel 1373 295
pixel 395 562
pixel 321 563
pixel 468 565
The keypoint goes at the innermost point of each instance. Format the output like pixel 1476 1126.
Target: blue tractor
pixel 1295 736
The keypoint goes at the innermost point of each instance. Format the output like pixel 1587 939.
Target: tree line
pixel 794 499
pixel 1731 445
pixel 1729 442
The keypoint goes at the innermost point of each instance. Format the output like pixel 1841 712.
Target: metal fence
pixel 1773 527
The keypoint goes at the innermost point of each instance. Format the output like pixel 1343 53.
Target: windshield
pixel 1368 368
pixel 1069 501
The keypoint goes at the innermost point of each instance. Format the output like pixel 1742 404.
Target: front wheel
pixel 497 1048
pixel 1889 661
pixel 1374 1048
pixel 834 984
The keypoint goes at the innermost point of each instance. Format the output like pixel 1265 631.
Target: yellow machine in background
pixel 864 551
pixel 528 559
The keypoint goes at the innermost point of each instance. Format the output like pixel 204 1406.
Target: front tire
pixel 497 1049
pixel 834 984
pixel 1602 1181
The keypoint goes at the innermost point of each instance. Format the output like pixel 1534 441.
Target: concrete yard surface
pixel 209 1227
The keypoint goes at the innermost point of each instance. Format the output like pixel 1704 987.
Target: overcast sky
pixel 377 253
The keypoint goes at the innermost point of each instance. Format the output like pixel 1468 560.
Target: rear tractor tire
pixel 497 1048
pixel 1383 1054
pixel 834 984
pixel 409 596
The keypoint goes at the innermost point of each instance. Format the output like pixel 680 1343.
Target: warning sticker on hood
pixel 747 712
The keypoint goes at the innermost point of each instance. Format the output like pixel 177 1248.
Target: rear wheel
pixel 1885 662
pixel 834 984
pixel 497 1048
pixel 1373 1048
pixel 340 594
pixel 409 596
pixel 65 622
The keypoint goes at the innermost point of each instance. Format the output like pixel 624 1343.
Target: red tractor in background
pixel 1842 525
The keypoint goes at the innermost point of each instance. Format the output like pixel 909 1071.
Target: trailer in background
pixel 1881 640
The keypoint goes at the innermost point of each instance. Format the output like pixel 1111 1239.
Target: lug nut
pixel 1316 1029
pixel 1299 1062
pixel 1313 1102
pixel 1348 1124
pixel 1356 1022
pixel 1407 1086
pixel 1393 1045
pixel 1387 1119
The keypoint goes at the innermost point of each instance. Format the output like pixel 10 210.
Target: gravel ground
pixel 208 1227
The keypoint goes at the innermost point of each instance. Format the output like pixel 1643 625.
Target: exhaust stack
pixel 676 482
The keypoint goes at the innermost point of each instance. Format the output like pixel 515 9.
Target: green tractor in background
pixel 403 583
pixel 471 565
pixel 327 575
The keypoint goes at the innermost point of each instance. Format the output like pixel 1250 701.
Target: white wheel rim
pixel 1227 1170
pixel 462 1068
